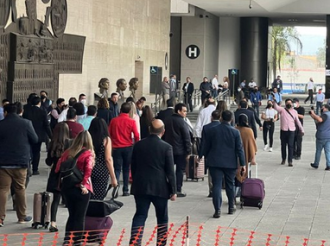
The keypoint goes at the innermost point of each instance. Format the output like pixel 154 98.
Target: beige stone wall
pixel 117 33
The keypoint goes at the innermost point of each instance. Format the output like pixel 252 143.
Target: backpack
pixel 70 175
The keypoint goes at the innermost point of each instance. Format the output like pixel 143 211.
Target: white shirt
pixel 310 85
pixel 62 116
pixel 203 119
pixel 252 84
pixel 270 113
pixel 215 83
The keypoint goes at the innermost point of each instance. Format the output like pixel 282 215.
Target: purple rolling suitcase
pixel 99 228
pixel 252 193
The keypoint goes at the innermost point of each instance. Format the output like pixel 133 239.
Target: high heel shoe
pixel 53 229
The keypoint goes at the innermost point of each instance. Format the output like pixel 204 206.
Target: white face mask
pixel 83 101
pixel 294 105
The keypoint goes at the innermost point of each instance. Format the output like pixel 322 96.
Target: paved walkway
pixel 296 204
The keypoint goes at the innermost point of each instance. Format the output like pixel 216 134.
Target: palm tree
pixel 282 39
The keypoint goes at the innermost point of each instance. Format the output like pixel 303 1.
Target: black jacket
pixel 164 114
pixel 177 135
pixel 153 168
pixel 16 135
pixel 144 127
pixel 190 89
pixel 114 110
pixel 104 114
pixel 251 117
pixel 39 121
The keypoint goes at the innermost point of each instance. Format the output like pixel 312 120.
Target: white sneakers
pixel 266 148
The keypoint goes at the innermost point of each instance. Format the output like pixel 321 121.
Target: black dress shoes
pixel 217 214
pixel 314 166
pixel 210 194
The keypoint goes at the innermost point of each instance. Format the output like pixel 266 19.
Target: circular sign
pixel 4 12
pixel 192 51
pixel 59 16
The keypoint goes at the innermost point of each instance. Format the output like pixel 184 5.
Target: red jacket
pixel 74 128
pixel 85 164
pixel 121 129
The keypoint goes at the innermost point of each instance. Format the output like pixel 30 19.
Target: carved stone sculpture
pixel 121 86
pixel 104 87
pixel 133 86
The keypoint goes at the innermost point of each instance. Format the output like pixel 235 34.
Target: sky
pixel 312 38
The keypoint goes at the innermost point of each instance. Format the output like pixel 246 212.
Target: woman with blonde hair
pixel 77 196
pixel 133 115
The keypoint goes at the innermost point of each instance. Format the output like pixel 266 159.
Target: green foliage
pixel 282 37
pixel 320 56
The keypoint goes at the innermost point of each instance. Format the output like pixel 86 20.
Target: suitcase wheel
pixel 242 204
pixel 260 205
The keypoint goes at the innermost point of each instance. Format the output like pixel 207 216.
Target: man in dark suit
pixel 153 182
pixel 164 114
pixel 188 89
pixel 114 108
pixel 41 126
pixel 177 134
pixel 222 147
pixel 16 135
pixel 243 109
pixel 215 121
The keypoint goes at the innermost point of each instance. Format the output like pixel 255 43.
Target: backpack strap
pixel 79 153
pixel 289 113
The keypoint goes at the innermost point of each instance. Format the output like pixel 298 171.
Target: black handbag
pixel 98 208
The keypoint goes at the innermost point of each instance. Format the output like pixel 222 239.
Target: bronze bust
pixel 133 86
pixel 121 86
pixel 104 87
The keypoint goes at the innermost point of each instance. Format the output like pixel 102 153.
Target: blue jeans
pixel 320 144
pixel 142 207
pixel 318 107
pixel 121 160
pixel 229 175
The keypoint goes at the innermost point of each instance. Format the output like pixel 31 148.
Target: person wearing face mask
pixel 55 113
pixel 239 95
pixel 269 116
pixel 322 136
pixel 298 137
pixel 256 98
pixel 83 100
pixel 289 121
pixel 46 104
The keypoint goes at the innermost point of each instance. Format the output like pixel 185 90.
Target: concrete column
pixel 254 48
pixel 202 31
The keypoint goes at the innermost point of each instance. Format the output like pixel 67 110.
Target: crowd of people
pixel 109 139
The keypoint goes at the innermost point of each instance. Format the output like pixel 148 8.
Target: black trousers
pixel 188 101
pixel 54 207
pixel 268 126
pixel 77 204
pixel 287 139
pixel 121 160
pixel 180 162
pixel 297 144
pixel 310 96
pixel 142 207
pixel 36 148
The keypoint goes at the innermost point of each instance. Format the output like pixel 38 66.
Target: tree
pixel 282 38
pixel 320 55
